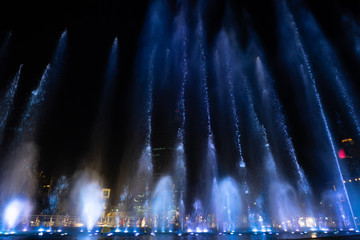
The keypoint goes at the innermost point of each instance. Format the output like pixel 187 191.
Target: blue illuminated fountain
pixel 88 194
pixel 21 160
pixel 314 96
pixel 254 183
pixel 18 197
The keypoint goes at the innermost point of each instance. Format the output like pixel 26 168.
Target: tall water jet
pixel 59 56
pixel 329 59
pixel 7 102
pixel 27 128
pixel 269 96
pixel 162 204
pixel 150 49
pixel 145 169
pixel 180 167
pixel 224 46
pixel 100 126
pixel 211 173
pixel 281 197
pixel 307 74
pixel 23 156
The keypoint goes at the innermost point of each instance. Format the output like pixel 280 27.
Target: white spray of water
pixel 161 204
pixel 15 211
pixel 88 194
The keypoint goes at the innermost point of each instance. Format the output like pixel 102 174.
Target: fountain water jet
pixel 283 204
pixel 88 196
pixel 161 204
pixel 23 157
pixel 7 103
pixel 307 75
pixel 269 96
pixel 180 167
pixel 330 60
pixel 211 161
pixel 15 211
pixel 227 203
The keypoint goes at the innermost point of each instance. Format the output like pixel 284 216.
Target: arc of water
pixel 23 152
pixel 307 73
pixel 233 107
pixel 7 103
pixel 27 127
pixel 339 77
pixel 330 57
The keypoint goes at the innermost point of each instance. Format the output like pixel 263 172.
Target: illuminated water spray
pixel 234 112
pixel 59 54
pixel 92 202
pixel 339 77
pixel 227 203
pixel 266 81
pixel 146 165
pixel 23 159
pixel 28 124
pixel 98 140
pixel 7 103
pixel 111 72
pixel 161 204
pixel 15 211
pixel 211 151
pixel 330 60
pixel 308 76
pixel 145 169
pixel 236 121
pixel 23 153
pixel 281 195
pixel 180 168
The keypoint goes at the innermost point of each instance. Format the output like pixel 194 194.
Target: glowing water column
pixel 307 75
pixel 180 168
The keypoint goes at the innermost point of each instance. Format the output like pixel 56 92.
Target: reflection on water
pixel 245 236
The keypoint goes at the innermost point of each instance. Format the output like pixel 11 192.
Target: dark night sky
pixel 65 126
